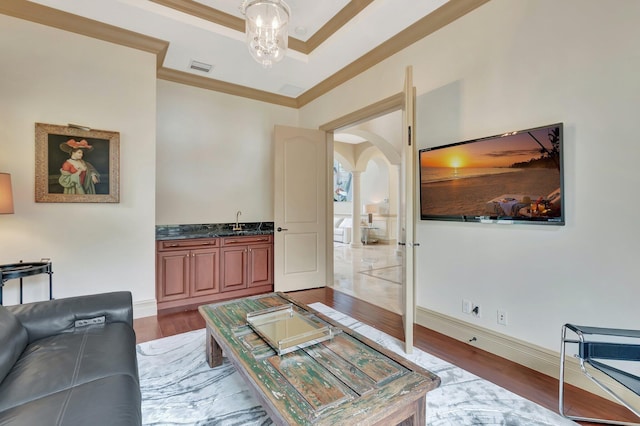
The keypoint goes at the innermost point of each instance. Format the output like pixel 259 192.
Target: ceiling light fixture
pixel 267 29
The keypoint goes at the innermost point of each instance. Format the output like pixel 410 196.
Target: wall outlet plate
pixel 502 317
pixel 475 310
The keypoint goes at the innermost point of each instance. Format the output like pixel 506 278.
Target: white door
pixel 300 206
pixel 407 217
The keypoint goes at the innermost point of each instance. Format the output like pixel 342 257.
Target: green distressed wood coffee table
pixel 346 380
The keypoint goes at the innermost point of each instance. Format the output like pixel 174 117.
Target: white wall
pixel 214 156
pixel 375 181
pixel 507 65
pixel 511 65
pixel 342 208
pixel 56 77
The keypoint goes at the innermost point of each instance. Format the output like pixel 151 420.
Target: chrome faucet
pixel 238 226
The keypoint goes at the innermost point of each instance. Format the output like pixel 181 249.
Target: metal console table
pixel 21 270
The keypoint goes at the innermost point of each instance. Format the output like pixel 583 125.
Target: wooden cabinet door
pixel 260 265
pixel 205 271
pixel 173 275
pixel 233 268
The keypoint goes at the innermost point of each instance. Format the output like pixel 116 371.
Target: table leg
pixel 421 411
pixel 213 351
pixel 412 415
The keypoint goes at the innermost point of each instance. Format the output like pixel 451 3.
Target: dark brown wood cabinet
pixel 186 269
pixel 205 272
pixel 260 265
pixel 172 271
pixel 192 272
pixel 246 262
pixel 233 270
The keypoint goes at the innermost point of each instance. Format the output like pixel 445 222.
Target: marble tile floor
pixel 372 273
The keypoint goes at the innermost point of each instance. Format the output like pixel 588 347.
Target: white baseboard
pixel 535 357
pixel 145 308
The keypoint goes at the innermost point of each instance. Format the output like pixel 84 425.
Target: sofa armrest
pixel 51 317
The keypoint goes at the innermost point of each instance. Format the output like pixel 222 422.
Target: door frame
pixel 391 104
pixel 388 105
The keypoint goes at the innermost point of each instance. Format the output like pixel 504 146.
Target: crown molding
pixel 88 27
pixel 429 24
pixel 441 17
pixel 199 10
pixel 345 15
pixel 224 87
pixel 205 12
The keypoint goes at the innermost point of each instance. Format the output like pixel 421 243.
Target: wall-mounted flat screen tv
pixel 515 177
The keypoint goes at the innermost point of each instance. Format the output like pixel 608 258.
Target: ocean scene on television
pixel 514 176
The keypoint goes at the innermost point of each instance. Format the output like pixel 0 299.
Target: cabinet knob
pixel 281 229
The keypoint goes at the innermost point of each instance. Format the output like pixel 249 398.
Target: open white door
pixel 406 240
pixel 300 206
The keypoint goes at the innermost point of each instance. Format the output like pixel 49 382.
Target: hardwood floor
pixel 523 381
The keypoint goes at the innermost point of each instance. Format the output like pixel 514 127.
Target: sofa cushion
pixel 346 223
pixel 60 362
pixel 14 339
pixel 47 318
pixel 112 401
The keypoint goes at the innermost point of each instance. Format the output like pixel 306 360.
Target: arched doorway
pixel 368 266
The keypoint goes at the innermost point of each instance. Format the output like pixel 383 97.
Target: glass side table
pixel 366 235
pixel 24 269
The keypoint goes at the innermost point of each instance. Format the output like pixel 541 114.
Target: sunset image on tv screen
pixel 516 175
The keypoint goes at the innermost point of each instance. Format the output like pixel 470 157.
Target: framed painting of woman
pixel 75 164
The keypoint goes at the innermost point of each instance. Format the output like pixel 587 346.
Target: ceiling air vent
pixel 290 90
pixel 200 66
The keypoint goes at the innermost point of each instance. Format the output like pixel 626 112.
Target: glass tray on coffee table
pixel 285 330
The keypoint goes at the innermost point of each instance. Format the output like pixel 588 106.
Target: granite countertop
pixel 211 230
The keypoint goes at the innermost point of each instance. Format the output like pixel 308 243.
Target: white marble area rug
pixel 179 388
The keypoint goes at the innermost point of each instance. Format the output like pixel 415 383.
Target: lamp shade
pixel 371 208
pixel 6 195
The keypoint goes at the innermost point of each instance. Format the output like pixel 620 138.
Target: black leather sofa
pixel 69 362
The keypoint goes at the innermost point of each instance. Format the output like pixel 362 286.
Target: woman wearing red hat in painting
pixel 78 176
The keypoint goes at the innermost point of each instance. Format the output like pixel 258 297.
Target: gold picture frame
pixel 77 165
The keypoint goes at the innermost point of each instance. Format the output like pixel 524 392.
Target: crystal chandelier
pixel 266 29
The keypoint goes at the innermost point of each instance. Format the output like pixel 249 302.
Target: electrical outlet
pixel 475 310
pixel 466 306
pixel 502 317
